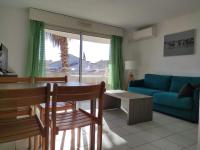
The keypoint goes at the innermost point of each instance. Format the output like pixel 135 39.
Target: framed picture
pixel 181 43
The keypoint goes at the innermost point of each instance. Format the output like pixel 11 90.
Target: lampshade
pixel 129 65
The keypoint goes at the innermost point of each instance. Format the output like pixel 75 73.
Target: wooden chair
pixel 5 80
pixel 21 111
pixel 63 106
pixel 12 127
pixel 78 118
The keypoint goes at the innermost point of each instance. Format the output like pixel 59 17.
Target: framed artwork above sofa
pixel 181 43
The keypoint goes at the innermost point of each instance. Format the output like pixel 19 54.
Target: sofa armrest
pixel 136 83
pixel 195 108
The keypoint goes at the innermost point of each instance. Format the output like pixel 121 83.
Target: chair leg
pixel 36 143
pixel 45 143
pixel 92 137
pixel 42 113
pixel 79 138
pixel 63 140
pixel 29 139
pixel 72 140
pixel 29 143
pixel 53 140
pixel 99 137
pixel 15 146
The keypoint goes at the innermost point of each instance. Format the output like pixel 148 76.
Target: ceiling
pixel 121 13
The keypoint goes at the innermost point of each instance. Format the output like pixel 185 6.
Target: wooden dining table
pixel 7 86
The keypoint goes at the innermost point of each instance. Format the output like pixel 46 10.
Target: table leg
pixel 63 140
pixel 130 117
pixel 79 138
pixel 139 111
pixel 72 139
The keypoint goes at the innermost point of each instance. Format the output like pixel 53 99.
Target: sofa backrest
pixel 177 82
pixel 160 82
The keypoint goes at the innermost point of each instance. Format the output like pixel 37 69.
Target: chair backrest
pixel 51 79
pixel 11 99
pixel 78 93
pixel 15 80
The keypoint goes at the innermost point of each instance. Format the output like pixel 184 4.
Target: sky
pixel 93 51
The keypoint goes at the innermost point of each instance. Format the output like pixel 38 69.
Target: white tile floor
pixel 163 133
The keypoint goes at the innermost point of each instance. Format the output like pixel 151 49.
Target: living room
pixel 171 123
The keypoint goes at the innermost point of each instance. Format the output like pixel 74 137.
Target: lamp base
pixel 131 77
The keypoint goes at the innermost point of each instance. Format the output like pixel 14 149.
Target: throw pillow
pixel 186 91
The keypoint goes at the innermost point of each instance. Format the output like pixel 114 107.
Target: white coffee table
pixel 137 106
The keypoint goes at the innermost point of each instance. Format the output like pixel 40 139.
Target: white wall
pixel 13 34
pixel 148 53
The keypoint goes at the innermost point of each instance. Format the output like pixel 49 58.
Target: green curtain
pixel 116 67
pixel 36 47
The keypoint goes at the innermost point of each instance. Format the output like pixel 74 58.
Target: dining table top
pixel 7 86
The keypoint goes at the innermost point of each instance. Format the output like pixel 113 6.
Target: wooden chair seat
pixel 71 120
pixel 60 106
pixel 17 129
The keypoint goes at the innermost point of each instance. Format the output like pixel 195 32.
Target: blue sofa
pixel 164 90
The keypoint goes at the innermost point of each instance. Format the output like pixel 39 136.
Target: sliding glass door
pixel 80 57
pixel 95 59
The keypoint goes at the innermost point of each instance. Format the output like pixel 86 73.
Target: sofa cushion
pixel 142 90
pixel 178 82
pixel 159 82
pixel 170 99
pixel 137 83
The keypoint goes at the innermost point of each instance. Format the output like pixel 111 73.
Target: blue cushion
pixel 178 82
pixel 142 90
pixel 137 83
pixel 170 99
pixel 160 82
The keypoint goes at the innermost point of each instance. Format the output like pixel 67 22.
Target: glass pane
pixel 62 51
pixel 95 59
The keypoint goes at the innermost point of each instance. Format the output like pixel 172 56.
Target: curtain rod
pixel 75 31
